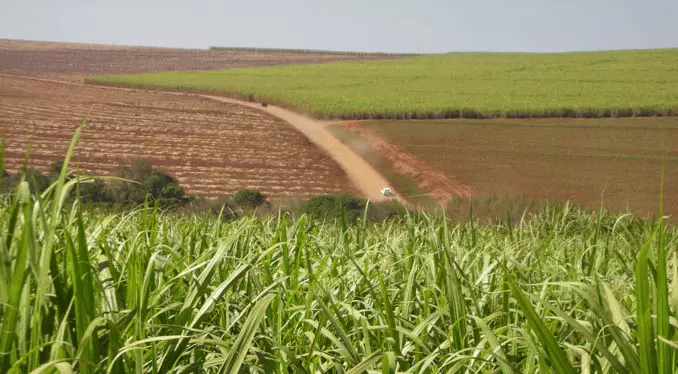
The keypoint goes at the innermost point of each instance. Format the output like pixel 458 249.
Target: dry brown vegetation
pixel 212 148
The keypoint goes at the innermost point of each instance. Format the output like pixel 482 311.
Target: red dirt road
pixel 359 171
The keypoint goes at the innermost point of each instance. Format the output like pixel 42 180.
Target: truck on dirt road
pixel 386 191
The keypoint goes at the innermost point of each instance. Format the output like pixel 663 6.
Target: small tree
pixel 249 198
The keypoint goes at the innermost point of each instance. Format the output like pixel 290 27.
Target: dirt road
pixel 358 171
pixel 361 173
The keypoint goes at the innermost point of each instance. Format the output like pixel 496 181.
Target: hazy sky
pixel 361 25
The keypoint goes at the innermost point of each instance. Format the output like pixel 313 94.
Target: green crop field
pixel 469 85
pixel 562 291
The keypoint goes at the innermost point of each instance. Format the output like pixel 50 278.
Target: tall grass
pixel 455 85
pixel 149 292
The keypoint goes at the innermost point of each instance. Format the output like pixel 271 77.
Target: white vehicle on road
pixel 386 191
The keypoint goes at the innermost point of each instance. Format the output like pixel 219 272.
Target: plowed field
pixel 618 160
pixel 73 62
pixel 212 148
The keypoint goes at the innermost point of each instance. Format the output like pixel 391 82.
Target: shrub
pixel 95 192
pixel 163 187
pixel 37 181
pixel 385 210
pixel 332 206
pixel 249 198
pixel 150 182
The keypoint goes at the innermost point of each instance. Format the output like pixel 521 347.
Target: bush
pixel 37 181
pixel 249 198
pixel 332 206
pixel 164 188
pixel 384 210
pixel 153 183
pixel 95 192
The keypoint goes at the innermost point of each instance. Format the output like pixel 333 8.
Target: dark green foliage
pixel 95 192
pixel 37 181
pixel 381 211
pixel 56 166
pixel 333 206
pixel 249 198
pixel 161 186
pixel 147 182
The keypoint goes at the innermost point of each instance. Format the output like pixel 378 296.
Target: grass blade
pixel 559 361
pixel 646 337
pixel 237 354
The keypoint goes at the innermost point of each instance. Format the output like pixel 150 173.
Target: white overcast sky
pixel 360 25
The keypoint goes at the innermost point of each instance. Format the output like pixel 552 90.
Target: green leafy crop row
pixel 468 85
pixel 147 292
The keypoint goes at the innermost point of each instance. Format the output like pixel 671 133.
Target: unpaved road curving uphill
pixel 361 173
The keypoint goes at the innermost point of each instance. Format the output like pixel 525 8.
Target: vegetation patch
pixel 147 290
pixel 455 85
pixel 125 292
pixel 130 185
pixel 249 198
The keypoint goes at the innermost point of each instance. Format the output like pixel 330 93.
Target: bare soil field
pixel 557 159
pixel 212 148
pixel 411 176
pixel 74 61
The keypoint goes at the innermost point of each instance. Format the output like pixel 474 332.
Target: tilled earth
pixel 74 62
pixel 212 148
